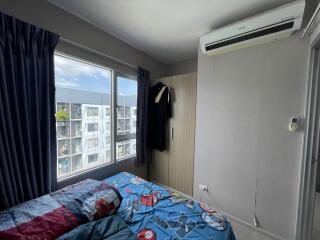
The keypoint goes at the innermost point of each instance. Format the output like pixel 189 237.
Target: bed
pixel 134 209
pixel 155 212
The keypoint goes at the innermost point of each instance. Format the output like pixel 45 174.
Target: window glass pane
pixel 92 112
pixel 76 111
pixel 126 117
pixel 63 112
pixel 92 158
pixel 64 166
pixel 63 147
pixel 92 143
pixel 77 162
pixel 76 128
pixel 92 127
pixel 83 104
pixel 127 105
pixel 63 130
pixel 76 145
pixel 125 149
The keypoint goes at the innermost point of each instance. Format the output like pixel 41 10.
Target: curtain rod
pixel 97 52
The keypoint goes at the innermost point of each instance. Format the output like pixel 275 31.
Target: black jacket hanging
pixel 158 113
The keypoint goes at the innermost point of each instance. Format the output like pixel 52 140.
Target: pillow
pixel 52 215
pixel 104 201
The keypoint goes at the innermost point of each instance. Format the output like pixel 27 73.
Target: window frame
pixel 124 137
pixel 114 138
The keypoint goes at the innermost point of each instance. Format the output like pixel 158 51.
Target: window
pixel 85 114
pixel 63 147
pixel 92 127
pixel 76 162
pixel 75 111
pixel 126 149
pixel 108 112
pixel 76 145
pixel 92 112
pixel 64 166
pixel 126 117
pixel 92 158
pixel 63 129
pixel 92 143
pixel 76 130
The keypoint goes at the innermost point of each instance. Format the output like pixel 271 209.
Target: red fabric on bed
pixel 48 226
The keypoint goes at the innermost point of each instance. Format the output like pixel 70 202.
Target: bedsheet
pixel 155 212
pixel 52 215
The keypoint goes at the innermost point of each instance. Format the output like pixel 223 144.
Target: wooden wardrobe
pixel 174 166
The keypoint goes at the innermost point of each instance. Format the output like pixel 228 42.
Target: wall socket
pixel 203 188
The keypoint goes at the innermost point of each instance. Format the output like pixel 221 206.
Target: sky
pixel 78 75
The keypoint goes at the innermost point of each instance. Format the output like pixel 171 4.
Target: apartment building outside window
pixel 84 116
pixel 92 127
pixel 92 158
pixel 92 112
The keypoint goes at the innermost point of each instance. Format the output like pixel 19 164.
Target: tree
pixel 62 115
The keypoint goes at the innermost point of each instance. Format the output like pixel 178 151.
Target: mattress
pixel 155 212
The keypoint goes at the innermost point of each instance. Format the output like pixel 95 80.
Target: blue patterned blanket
pixel 154 212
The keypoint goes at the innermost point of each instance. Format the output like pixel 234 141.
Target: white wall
pixel 316 218
pixel 244 102
pixel 187 66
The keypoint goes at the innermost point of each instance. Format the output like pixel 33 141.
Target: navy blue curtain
pixel 142 152
pixel 27 107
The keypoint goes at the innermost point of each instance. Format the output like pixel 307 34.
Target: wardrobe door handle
pixel 172 133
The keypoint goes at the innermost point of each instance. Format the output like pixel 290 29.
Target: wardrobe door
pixel 160 160
pixel 183 90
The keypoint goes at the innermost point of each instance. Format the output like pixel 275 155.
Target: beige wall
pixel 244 102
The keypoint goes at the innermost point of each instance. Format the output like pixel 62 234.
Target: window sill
pixel 88 173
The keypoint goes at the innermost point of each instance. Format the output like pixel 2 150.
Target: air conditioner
pixel 272 25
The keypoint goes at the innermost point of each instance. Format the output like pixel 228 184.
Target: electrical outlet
pixel 203 188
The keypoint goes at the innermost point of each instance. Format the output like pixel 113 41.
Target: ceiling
pixel 167 30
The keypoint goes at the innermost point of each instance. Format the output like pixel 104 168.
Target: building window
pixel 92 112
pixel 93 143
pixel 63 130
pixel 63 147
pixel 75 111
pixel 92 158
pixel 77 162
pixel 84 106
pixel 108 112
pixel 92 127
pixel 76 145
pixel 64 166
pixel 76 128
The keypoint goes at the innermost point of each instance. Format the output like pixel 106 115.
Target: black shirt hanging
pixel 158 113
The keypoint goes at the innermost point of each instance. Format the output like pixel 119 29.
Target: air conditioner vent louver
pixel 272 25
pixel 249 36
